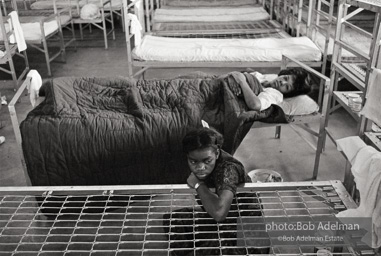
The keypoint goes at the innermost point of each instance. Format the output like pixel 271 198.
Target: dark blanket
pixel 101 131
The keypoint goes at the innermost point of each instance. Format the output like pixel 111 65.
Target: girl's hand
pixel 192 180
pixel 239 79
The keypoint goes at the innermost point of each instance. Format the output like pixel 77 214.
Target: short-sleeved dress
pixel 227 174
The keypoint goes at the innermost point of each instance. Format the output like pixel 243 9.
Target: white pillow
pixel 299 105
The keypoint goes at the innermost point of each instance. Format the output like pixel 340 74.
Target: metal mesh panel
pixel 215 26
pixel 165 222
pixel 230 30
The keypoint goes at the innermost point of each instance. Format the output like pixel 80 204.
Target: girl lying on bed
pixel 289 83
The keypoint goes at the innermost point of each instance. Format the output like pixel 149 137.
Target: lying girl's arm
pixel 252 100
pixel 216 205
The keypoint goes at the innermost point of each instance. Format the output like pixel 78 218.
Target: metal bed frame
pixel 304 121
pixel 301 121
pixel 11 50
pixel 44 16
pixel 144 65
pixel 164 220
pixel 106 16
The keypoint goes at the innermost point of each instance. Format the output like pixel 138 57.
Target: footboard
pixel 20 94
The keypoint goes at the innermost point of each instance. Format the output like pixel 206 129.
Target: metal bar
pixel 158 188
pixel 16 126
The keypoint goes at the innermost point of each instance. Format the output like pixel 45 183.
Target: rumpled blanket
pixel 110 131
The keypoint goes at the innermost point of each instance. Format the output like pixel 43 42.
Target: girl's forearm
pixel 252 100
pixel 217 206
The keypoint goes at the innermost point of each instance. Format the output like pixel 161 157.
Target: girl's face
pixel 284 84
pixel 202 161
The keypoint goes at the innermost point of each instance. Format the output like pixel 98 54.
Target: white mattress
pixel 248 13
pixel 32 31
pixel 155 48
pixel 48 4
pixel 350 36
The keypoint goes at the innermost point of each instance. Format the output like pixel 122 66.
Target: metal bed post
pixel 331 6
pixel 62 42
pixel 104 24
pixel 128 38
pixel 271 9
pixel 148 15
pixel 299 16
pixel 321 134
pixel 311 5
pixel 16 126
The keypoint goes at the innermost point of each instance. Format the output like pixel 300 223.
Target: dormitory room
pixel 190 127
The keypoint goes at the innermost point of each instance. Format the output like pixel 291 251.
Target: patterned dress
pixel 227 174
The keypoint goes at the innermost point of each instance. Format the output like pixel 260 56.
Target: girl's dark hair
pixel 202 138
pixel 302 84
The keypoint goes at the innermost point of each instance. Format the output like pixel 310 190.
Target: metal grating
pixel 220 30
pixel 214 26
pixel 152 221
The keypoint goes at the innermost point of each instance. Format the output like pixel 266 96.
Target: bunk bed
pixel 99 22
pixel 217 17
pixel 322 25
pixel 10 49
pixel 42 26
pixel 153 51
pixel 106 7
pixel 94 131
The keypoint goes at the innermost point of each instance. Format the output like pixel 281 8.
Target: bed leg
pixel 113 26
pixel 277 132
pixel 73 33
pixel 81 31
pixel 13 72
pixel 123 24
pixel 104 28
pixel 46 51
pixel 63 48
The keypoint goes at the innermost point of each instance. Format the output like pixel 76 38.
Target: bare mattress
pixel 154 48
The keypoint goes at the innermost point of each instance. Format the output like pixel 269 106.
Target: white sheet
pixel 32 31
pixel 225 50
pixel 227 14
pixel 48 4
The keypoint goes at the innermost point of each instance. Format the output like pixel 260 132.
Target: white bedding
pixel 48 4
pixel 32 31
pixel 226 14
pixel 155 48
